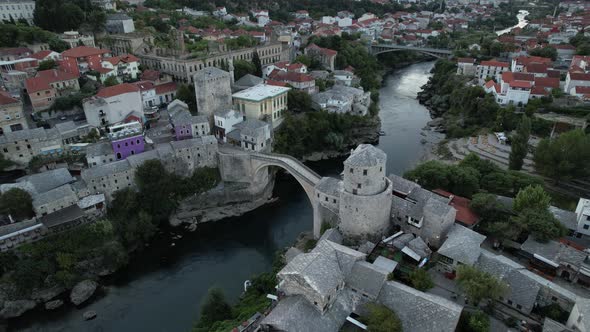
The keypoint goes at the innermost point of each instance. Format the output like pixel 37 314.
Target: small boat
pixel 247 284
pixel 381 133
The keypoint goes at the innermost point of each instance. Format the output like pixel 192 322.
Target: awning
pixel 546 261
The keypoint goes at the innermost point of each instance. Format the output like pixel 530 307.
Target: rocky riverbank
pixel 224 201
pixel 366 134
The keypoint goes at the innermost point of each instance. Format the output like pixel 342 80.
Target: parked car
pixel 63 118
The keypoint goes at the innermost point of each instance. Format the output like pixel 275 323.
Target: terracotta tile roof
pixel 534 67
pixel 275 83
pixel 116 90
pixel 521 84
pixel 125 58
pixel 44 78
pixel 6 99
pixel 150 75
pixel 547 82
pixel 579 76
pixel 15 51
pixel 290 76
pixel 539 91
pixel 165 88
pixel 466 60
pixel 41 54
pixel 582 90
pixel 494 63
pixel 82 51
pixel 509 76
pixel 144 85
pixel 464 215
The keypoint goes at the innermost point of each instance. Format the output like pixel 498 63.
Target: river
pixel 162 290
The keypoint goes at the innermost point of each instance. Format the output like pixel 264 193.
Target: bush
pixel 421 280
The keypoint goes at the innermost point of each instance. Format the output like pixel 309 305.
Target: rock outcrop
pixel 52 305
pixel 83 291
pixel 44 295
pixel 14 309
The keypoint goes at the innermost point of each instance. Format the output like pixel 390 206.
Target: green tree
pixel 431 175
pixel 479 321
pixel 111 80
pixel 486 206
pixel 421 280
pixel 215 308
pixel 304 59
pixel 186 94
pixel 541 224
pixel 545 52
pixel 479 285
pixel 47 64
pixel 298 101
pixel 243 68
pixel 17 203
pixel 382 319
pixel 464 181
pixel 257 64
pixel 564 158
pixel 520 143
pixel 533 198
pixel 157 190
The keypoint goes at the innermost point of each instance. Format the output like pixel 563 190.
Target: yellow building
pixel 262 102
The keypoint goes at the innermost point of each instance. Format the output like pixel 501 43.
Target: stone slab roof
pixel 402 185
pixel 62 216
pixel 52 195
pixel 385 264
pixel 296 314
pixel 554 251
pixel 566 218
pixel 522 290
pixel 46 181
pixel 106 169
pixel 366 155
pixel 99 149
pixel 419 311
pixel 329 186
pixel 462 245
pixel 366 278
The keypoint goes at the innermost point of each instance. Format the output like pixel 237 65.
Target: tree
pixel 479 321
pixel 533 198
pixel 47 64
pixel 298 101
pixel 111 80
pixel 157 190
pixel 564 158
pixel 382 319
pixel 479 285
pixel 186 94
pixel 215 308
pixel 431 175
pixel 541 224
pixel 486 206
pixel 420 279
pixel 17 203
pixel 243 68
pixel 257 64
pixel 464 181
pixel 4 162
pixel 520 143
pixel 545 52
pixel 132 224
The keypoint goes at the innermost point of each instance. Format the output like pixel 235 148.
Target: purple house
pixel 185 125
pixel 126 139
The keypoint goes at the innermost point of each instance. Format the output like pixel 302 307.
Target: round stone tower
pixel 365 204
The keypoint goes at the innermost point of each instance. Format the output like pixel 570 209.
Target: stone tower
pixel 365 204
pixel 213 91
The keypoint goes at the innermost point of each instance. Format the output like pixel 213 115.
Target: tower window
pixel 351 170
pixel 364 172
pixel 358 186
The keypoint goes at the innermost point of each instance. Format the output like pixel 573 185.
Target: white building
pixel 105 4
pixel 575 79
pixel 344 77
pixel 74 39
pixel 225 122
pixel 113 105
pixel 583 216
pixel 493 69
pixel 17 9
pixel 124 66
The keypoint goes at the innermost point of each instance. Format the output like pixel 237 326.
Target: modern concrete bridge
pixel 248 166
pixel 385 48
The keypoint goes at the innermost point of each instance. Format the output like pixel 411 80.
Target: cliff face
pixel 228 199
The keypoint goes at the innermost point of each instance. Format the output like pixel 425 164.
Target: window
pixel 5 150
pixel 518 306
pixel 351 170
pixel 358 186
pixel 510 302
pixel 586 226
pixel 364 172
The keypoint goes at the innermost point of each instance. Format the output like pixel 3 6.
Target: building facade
pixel 12 117
pixel 212 90
pixel 17 9
pixel 113 105
pixel 262 102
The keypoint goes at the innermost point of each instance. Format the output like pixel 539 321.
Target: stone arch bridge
pixel 386 48
pixel 252 167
